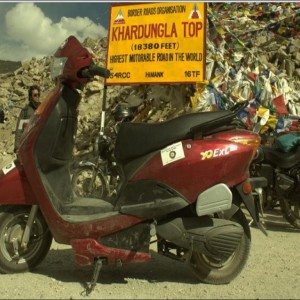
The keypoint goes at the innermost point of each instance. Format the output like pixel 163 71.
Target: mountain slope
pixel 9 66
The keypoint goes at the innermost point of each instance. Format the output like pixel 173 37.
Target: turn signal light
pixel 247 188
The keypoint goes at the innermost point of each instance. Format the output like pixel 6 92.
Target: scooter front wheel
pixel 13 257
pixel 217 271
pixel 89 182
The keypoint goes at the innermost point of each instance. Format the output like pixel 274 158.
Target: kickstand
pixel 90 287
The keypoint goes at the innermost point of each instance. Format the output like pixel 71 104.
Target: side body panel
pixel 15 189
pixel 205 163
pixel 234 134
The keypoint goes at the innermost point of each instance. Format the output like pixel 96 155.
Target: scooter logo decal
pixel 218 152
pixel 8 168
pixel 172 153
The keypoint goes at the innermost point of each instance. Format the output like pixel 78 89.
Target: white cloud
pixel 32 34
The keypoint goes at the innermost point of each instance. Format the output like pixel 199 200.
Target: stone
pixel 94 87
pixel 20 91
pixel 25 64
pixel 134 100
pixel 296 42
pixel 297 72
pixel 26 80
pixel 4 92
pixel 289 67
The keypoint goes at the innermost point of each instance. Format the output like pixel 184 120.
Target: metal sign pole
pixel 103 110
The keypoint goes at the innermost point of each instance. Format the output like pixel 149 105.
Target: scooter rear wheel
pixel 213 271
pixel 14 258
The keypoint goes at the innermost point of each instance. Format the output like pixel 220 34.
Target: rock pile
pixel 253 54
pixel 14 94
pixel 13 97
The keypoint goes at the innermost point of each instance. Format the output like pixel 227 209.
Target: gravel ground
pixel 272 272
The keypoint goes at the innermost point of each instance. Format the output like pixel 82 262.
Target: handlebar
pixel 94 70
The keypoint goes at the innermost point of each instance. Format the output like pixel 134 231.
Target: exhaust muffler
pixel 211 236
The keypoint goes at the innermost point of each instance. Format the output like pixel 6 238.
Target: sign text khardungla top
pixel 157 43
pixel 161 30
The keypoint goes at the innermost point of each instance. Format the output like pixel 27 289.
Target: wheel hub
pixel 15 233
pixel 14 237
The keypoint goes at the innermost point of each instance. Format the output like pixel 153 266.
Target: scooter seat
pixel 138 139
pixel 88 206
pixel 282 159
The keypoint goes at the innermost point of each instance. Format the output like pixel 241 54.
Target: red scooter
pixel 183 182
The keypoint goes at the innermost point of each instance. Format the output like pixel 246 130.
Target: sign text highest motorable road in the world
pixel 157 43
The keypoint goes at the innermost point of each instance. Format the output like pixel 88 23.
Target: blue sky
pixel 35 29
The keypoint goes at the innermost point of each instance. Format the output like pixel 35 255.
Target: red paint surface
pixel 78 58
pixel 62 230
pixel 15 188
pixel 191 175
pixel 87 249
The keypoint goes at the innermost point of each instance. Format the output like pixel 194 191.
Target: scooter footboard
pixel 14 187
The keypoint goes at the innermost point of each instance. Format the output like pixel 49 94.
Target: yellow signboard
pixel 157 43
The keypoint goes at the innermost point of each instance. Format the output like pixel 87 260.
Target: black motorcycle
pixel 280 165
pixel 99 176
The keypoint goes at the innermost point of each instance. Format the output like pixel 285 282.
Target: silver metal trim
pixel 215 199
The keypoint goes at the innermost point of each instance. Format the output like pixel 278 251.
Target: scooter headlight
pixel 57 66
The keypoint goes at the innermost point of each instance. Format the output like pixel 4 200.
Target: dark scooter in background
pixel 280 165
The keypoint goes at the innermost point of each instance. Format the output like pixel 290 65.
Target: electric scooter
pixel 183 183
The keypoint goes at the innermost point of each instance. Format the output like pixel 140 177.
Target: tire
pixel 212 271
pixel 83 187
pixel 12 224
pixel 290 211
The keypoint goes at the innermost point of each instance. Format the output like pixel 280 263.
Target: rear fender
pixel 249 202
pixel 14 188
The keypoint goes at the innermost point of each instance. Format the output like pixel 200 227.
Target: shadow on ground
pixel 274 221
pixel 59 265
